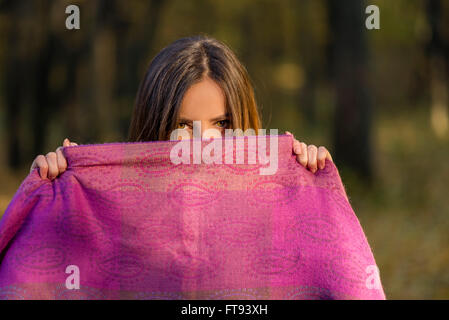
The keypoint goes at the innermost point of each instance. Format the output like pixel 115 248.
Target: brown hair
pixel 171 73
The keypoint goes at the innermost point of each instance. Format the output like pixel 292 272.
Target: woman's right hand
pixel 53 163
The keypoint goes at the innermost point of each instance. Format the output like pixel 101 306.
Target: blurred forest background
pixel 378 99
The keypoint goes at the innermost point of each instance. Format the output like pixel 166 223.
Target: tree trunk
pixel 348 63
pixel 438 56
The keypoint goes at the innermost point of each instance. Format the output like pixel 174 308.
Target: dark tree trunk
pixel 438 57
pixel 130 57
pixel 12 122
pixel 348 63
pixel 14 84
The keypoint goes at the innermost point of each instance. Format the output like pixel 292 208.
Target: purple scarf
pixel 124 222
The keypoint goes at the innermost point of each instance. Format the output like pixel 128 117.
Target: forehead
pixel 203 100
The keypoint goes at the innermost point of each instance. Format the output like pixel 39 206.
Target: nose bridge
pixel 207 125
pixel 204 126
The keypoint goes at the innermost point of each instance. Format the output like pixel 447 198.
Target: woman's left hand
pixel 310 157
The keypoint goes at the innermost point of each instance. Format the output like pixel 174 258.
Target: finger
pixel 73 144
pixel 41 163
pixel 53 170
pixel 321 158
pixel 66 142
pixel 297 147
pixel 33 165
pixel 312 158
pixel 329 157
pixel 290 134
pixel 61 160
pixel 302 158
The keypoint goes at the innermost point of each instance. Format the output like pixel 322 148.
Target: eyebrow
pixel 224 116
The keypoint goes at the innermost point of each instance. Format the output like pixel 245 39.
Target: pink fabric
pixel 139 227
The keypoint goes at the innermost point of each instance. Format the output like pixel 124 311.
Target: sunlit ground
pixel 405 215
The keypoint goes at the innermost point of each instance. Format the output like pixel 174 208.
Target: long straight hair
pixel 174 70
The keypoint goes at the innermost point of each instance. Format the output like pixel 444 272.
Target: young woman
pixel 193 79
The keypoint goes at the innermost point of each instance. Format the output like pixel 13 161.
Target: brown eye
pixel 182 125
pixel 222 123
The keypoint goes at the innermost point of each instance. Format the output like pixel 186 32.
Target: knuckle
pixel 61 158
pixel 53 172
pixel 51 155
pixel 312 159
pixel 52 169
pixel 40 158
pixel 321 156
pixel 42 163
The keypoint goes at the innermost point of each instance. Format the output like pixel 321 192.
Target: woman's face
pixel 204 102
